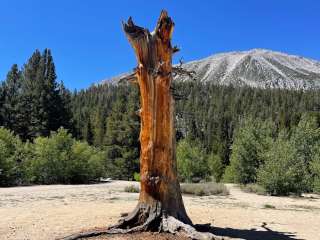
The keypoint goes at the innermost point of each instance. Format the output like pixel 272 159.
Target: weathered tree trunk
pixel 160 194
pixel 160 207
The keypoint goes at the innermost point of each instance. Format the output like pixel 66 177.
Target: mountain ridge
pixel 261 68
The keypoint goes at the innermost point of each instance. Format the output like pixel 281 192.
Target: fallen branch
pixel 179 70
pixel 132 78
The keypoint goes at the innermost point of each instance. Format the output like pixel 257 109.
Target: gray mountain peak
pixel 257 68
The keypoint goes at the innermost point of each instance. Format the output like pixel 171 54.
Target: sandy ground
pixel 49 212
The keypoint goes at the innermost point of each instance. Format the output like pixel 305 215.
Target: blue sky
pixel 88 44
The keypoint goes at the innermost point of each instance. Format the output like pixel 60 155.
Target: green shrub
pixel 306 140
pixel 132 189
pixel 250 141
pixel 86 163
pixel 216 167
pixel 136 177
pixel 204 189
pixel 253 188
pixel 10 158
pixel 61 159
pixel 269 206
pixel 315 170
pixel 192 162
pixel 26 154
pixel 51 158
pixel 283 171
pixel 229 175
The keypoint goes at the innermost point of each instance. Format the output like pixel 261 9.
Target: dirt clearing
pixel 49 212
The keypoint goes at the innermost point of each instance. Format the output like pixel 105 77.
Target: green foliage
pixel 269 206
pixel 87 163
pixel 122 136
pixel 10 162
pixel 306 140
pixel 216 166
pixel 12 105
pixel 212 116
pixel 283 171
pixel 282 163
pixel 251 140
pixel 315 169
pixel 192 162
pixel 204 189
pixel 229 174
pixel 136 177
pixel 32 102
pixel 61 159
pixel 2 97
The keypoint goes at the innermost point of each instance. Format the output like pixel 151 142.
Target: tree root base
pixel 168 225
pixel 146 218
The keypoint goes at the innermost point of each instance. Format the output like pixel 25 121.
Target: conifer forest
pixel 51 134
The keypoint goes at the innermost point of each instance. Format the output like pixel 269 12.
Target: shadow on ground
pixel 248 234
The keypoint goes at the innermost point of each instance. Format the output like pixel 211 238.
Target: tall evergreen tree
pixel 2 97
pixel 87 132
pixel 98 127
pixel 63 109
pixel 46 103
pixel 33 96
pixel 52 101
pixel 13 104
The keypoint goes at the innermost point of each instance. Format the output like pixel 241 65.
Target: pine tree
pixel 87 132
pixel 46 104
pixel 52 101
pixel 63 109
pixel 33 96
pixel 2 97
pixel 98 127
pixel 13 104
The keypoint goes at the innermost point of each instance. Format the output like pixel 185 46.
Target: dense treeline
pixel 208 118
pixel 209 115
pixel 212 113
pixel 243 135
pixel 106 117
pixel 32 103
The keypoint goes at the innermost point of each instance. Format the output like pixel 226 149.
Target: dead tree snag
pixel 160 194
pixel 160 207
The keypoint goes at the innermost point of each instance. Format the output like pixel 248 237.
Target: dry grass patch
pixel 204 189
pixel 132 189
pixel 269 206
pixel 253 188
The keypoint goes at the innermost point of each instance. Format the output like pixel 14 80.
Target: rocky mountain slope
pixel 257 68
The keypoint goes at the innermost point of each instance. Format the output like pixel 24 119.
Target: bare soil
pixel 50 212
